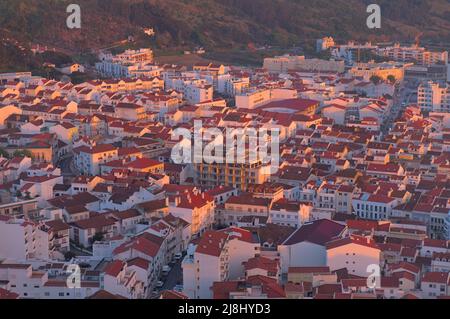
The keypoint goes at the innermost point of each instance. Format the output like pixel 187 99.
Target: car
pixel 178 288
pixel 159 284
pixel 166 270
pixel 178 256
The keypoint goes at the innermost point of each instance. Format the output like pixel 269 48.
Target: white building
pixel 231 85
pixel 287 213
pixel 205 264
pixel 376 207
pixel 306 246
pixel 119 279
pixel 435 284
pixel 31 284
pixel 414 53
pixel 434 97
pixel 324 44
pixel 255 98
pixel 22 240
pixel 194 90
pixel 218 256
pixel 195 208
pixel 285 63
pixel 355 253
pixel 89 159
pixel 447 226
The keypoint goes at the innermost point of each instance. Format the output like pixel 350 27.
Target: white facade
pixel 434 97
pixel 20 240
pixel 371 209
pixel 303 254
pixel 353 256
pixel 254 99
pixel 293 218
pixel 447 227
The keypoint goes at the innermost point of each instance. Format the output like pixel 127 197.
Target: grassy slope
pixel 217 23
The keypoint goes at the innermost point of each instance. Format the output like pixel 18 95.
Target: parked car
pixel 159 284
pixel 178 256
pixel 166 270
pixel 178 288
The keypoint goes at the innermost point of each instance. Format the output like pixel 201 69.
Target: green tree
pixel 22 153
pixel 391 79
pixel 69 255
pixel 4 153
pixel 375 79
pixel 97 237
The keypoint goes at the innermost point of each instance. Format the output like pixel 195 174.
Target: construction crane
pixel 417 39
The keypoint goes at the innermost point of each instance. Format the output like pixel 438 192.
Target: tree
pixel 22 153
pixel 97 237
pixel 3 153
pixel 375 79
pixel 392 79
pixel 69 255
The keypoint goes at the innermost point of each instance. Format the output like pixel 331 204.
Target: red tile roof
pixel 212 243
pixel 263 263
pixel 318 232
pixel 352 239
pixel 114 268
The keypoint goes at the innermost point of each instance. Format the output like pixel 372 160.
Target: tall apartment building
pixel 255 98
pixel 194 90
pixel 195 208
pixel 22 279
pixel 218 256
pixel 382 70
pixel 135 56
pixel 416 54
pixel 447 227
pixel 234 175
pixel 26 240
pixel 434 97
pixel 131 63
pixel 285 63
pixel 324 44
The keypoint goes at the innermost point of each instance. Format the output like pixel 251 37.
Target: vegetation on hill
pixel 215 23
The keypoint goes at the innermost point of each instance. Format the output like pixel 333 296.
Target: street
pixel 67 167
pixel 174 278
pixel 403 97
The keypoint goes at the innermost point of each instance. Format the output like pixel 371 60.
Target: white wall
pixel 303 254
pixel 356 258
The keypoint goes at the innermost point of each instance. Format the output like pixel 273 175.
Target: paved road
pixel 67 167
pixel 403 96
pixel 174 278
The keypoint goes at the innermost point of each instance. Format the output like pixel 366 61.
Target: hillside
pixel 216 23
